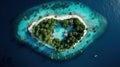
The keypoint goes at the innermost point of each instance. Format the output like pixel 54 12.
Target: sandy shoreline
pixel 60 18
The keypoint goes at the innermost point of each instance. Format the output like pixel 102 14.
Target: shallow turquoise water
pixel 59 31
pixel 91 18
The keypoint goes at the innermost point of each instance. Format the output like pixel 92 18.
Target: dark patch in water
pixel 60 4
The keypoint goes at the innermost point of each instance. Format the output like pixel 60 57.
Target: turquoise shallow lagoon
pixel 90 17
pixel 59 31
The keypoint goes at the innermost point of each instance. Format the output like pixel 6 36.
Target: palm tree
pixel 86 28
pixel 40 37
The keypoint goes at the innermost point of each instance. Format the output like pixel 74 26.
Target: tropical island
pixel 59 30
pixel 72 30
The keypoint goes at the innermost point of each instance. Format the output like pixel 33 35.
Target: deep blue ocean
pixel 104 52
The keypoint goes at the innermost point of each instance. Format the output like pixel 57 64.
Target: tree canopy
pixel 44 30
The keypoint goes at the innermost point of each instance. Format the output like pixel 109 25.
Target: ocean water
pixel 104 52
pixel 89 16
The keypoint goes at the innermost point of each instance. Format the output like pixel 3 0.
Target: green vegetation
pixel 22 38
pixel 94 29
pixel 44 31
pixel 40 17
pixel 65 23
pixel 70 13
pixel 25 17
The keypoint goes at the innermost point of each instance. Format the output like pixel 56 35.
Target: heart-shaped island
pixel 59 30
pixel 59 33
